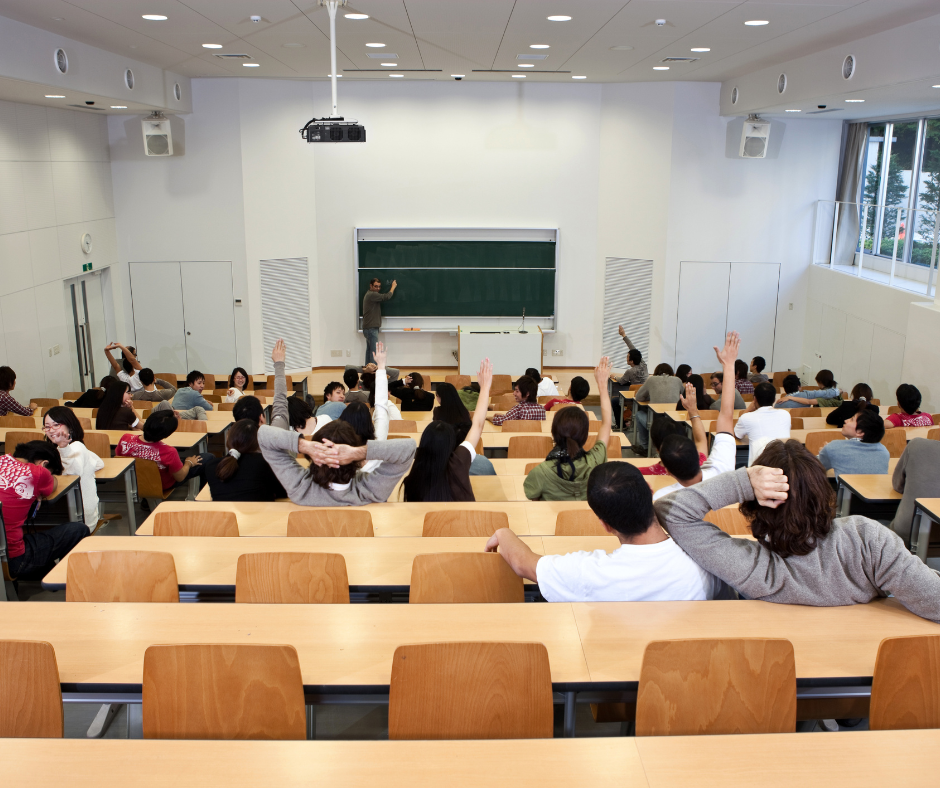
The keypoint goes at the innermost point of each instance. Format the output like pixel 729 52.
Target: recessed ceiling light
pixel 119 106
pixel 57 18
pixel 49 96
pixel 211 46
pixel 518 76
pixel 392 65
pixel 855 101
pixel 579 77
pixel 525 65
pixel 701 49
pixel 357 16
pixel 338 76
pixel 461 76
pixel 559 18
pixel 251 65
pixel 397 76
pixel 293 45
pixel 660 68
pixel 154 17
pixel 622 48
pixel 756 22
pixel 377 46
pixel 935 86
pixel 794 110
pixel 538 46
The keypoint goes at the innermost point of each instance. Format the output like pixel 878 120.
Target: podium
pixel 511 352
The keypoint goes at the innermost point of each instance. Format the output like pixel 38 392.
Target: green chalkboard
pixel 461 278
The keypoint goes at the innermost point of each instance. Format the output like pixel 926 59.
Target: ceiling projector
pixel 333 130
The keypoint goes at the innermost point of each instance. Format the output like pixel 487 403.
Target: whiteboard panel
pixel 157 297
pixel 209 313
pixel 700 323
pixel 752 309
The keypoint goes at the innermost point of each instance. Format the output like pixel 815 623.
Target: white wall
pixel 55 185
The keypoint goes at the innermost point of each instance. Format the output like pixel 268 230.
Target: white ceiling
pixel 436 38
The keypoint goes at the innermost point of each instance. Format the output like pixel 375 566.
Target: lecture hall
pixel 505 392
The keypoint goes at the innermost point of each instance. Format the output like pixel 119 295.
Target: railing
pixel 891 244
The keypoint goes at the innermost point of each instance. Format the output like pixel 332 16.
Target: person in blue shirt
pixel 190 396
pixel 828 389
pixel 861 451
pixel 333 400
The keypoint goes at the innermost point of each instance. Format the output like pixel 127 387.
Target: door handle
pixel 189 333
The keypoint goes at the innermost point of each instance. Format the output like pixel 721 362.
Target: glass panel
pixel 928 195
pixel 872 190
pixel 897 188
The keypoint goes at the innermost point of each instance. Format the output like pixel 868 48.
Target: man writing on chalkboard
pixel 372 315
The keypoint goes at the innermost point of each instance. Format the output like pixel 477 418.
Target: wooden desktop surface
pixel 498 440
pixel 178 440
pixel 931 506
pixel 871 486
pixel 113 467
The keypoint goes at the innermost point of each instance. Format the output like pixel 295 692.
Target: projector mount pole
pixel 331 6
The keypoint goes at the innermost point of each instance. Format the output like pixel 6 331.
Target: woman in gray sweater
pixel 661 388
pixel 802 555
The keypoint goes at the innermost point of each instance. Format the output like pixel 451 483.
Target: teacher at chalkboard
pixel 372 315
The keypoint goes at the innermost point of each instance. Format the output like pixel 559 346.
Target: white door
pixel 752 309
pixel 209 311
pixel 157 296
pixel 88 337
pixel 703 313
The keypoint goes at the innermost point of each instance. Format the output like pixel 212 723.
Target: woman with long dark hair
pixel 62 427
pixel 242 474
pixel 703 400
pixel 861 398
pixel 412 393
pixel 451 409
pixel 116 411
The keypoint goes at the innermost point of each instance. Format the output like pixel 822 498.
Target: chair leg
pixel 311 721
pixel 103 719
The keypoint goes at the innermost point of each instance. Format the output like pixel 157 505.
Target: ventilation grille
pixel 158 145
pixel 781 84
pixel 177 91
pixel 680 59
pixel 734 95
pixel 628 298
pixel 382 55
pixel 755 147
pixel 234 57
pixel 61 61
pixel 285 310
pixel 129 79
pixel 848 67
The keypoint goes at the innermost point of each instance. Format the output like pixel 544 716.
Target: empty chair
pixel 210 383
pixel 198 522
pixel 522 425
pixel 905 689
pixel 121 576
pixel 445 578
pixel 796 423
pixel 170 377
pixel 470 691
pixel 892 409
pixel 97 442
pixel 595 427
pixel 216 399
pixel 86 422
pixel 816 440
pixel 402 425
pixel 613 445
pixel 15 437
pixel 730 520
pixel 192 425
pixel 44 402
pixel 263 392
pixel 458 381
pixel 149 481
pixel 71 396
pixel 530 465
pixel 934 435
pixel 814 412
pixel 579 522
pixel 502 384
pixel 464 523
pixel 30 695
pixel 270 382
pixel 523 447
pixel 232 691
pixel 503 402
pixel 226 406
pixel 330 522
pixel 720 686
pixel 291 579
pixel 14 420
pixel 895 441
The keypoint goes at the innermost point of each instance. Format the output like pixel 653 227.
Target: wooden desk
pixel 178 440
pixel 122 468
pixel 506 467
pixel 497 440
pixel 926 513
pixel 800 435
pixel 870 487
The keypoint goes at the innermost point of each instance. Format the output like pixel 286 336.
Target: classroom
pixel 504 390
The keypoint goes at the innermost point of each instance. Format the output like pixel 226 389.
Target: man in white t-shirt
pixel 762 423
pixel 546 386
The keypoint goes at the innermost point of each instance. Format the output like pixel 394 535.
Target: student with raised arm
pixel 636 373
pixel 564 474
pixel 290 413
pixel 372 315
pixel 127 370
pixel 7 403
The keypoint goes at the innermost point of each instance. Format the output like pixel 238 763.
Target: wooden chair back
pixel 524 447
pixel 403 425
pixel 730 520
pixel 15 420
pixel 613 445
pixel 170 377
pixel 716 686
pixel 561 405
pixel 86 422
pixel 71 396
pixel 816 440
pixel 796 423
pixel 579 522
pixel 45 402
pixel 215 399
pixel 192 425
pixel 501 384
pixel 891 409
pixel 30 694
pixel 210 383
pixel 464 523
pixel 905 689
pixel 895 441
pixel 747 397
pixel 149 481
pixel 97 442
pixel 226 406
pixel 263 392
pixel 708 415
pixel 197 522
pixel 934 435
pixel 121 576
pixel 291 579
pixel 449 578
pixel 521 425
pixel 503 402
pixel 814 412
pixel 330 522
pixel 530 465
pixel 470 691
pixel 270 382
pixel 779 377
pixel 15 437
pixel 231 691
pixel 458 381
pixel 594 427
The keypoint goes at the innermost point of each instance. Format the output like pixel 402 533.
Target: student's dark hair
pixel 453 411
pixel 719 376
pixel 683 371
pixel 160 424
pixel 417 386
pixel 193 376
pixel 796 526
pixel 7 378
pixel 351 378
pixel 740 370
pixel 791 384
pixel 908 398
pixel 765 394
pixel 358 416
pixel 824 379
pixel 231 378
pixel 759 363
pixel 862 391
pixel 569 432
pixel 367 381
pixel 871 425
pixel 663 428
pixel 428 479
pixel 663 369
pixel 65 416
pixel 337 431
pixel 106 381
pixel 700 397
pixel 298 411
pixel 331 387
pixel 373 280
pixel 243 437
pixel 618 494
pixel 580 388
pixel 248 407
pixel 35 451
pixel 111 403
pixel 146 376
pixel 528 388
pixel 533 373
pixel 680 457
pixel 635 355
pixel 125 364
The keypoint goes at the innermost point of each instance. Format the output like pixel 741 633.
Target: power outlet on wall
pixel 348 353
pixel 336 354
pixel 558 352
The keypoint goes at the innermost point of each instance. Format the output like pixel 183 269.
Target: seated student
pixel 334 396
pixel 741 383
pixel 189 397
pixel 451 409
pixel 703 401
pixel 527 407
pixel 915 476
pixel 63 429
pixel 647 567
pixel 116 411
pixel 861 398
pixel 393 374
pixel 127 370
pixel 564 474
pixel 680 456
pixel 828 390
pixel 353 392
pixel 801 554
pixel 546 386
pixel 249 407
pixel 757 371
pixel 791 386
pixel 762 422
pixel 682 372
pixel 237 382
pixel 662 429
pixel 160 425
pixel 441 470
pixel 578 390
pixel 242 474
pixel 717 381
pixel 152 389
pixel 25 477
pixel 412 393
pixel 93 397
pixel 635 374
pixel 910 415
pixel 862 452
pixel 663 387
pixel 7 403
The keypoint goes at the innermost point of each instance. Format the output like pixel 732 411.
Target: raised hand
pixel 689 399
pixel 622 332
pixel 380 355
pixel 729 353
pixel 602 372
pixel 770 485
pixel 279 351
pixel 485 375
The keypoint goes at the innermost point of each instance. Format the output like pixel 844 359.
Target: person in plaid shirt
pixel 525 390
pixel 7 403
pixel 741 383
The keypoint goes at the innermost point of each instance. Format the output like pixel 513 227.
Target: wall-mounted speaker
pixel 158 140
pixel 754 139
